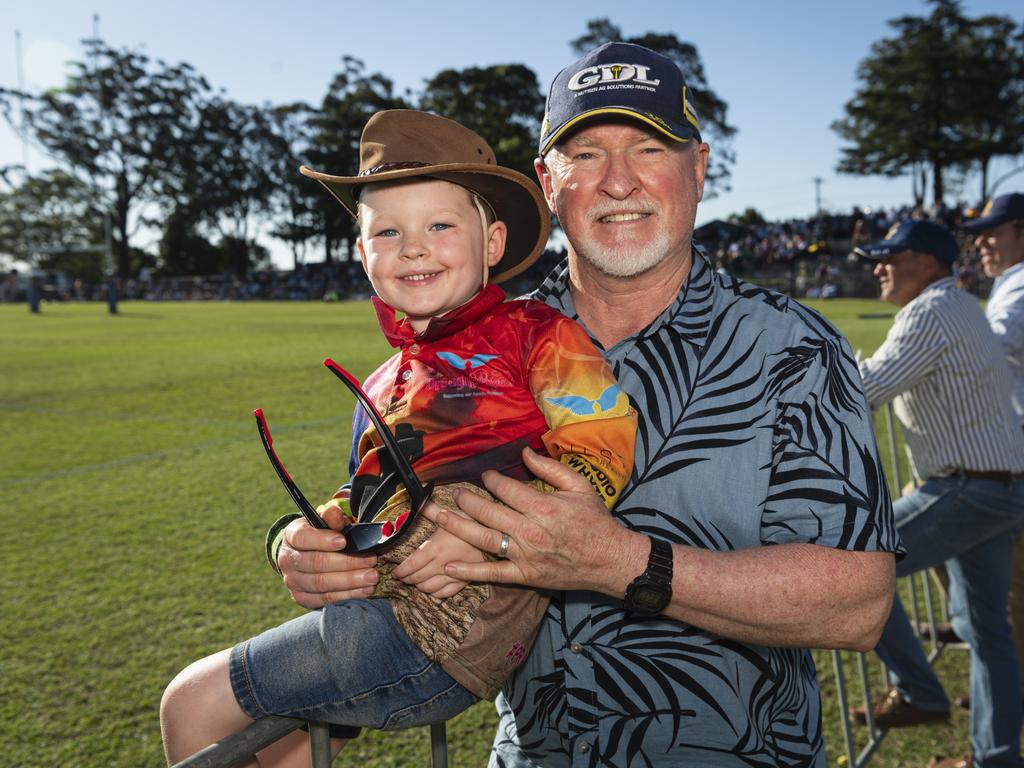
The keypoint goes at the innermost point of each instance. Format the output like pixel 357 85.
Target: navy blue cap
pixel 914 235
pixel 619 79
pixel 998 211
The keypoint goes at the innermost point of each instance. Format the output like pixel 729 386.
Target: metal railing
pixel 244 744
pixel 862 758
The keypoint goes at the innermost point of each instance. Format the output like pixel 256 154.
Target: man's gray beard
pixel 627 259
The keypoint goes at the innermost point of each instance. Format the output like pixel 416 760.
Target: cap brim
pixel 515 199
pixel 882 250
pixel 983 223
pixel 675 131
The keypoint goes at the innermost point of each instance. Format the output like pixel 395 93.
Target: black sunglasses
pixel 359 536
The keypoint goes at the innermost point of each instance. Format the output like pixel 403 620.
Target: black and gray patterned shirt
pixel 753 431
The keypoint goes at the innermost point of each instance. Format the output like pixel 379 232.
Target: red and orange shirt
pixel 483 381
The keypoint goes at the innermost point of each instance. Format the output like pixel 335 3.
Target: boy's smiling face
pixel 422 245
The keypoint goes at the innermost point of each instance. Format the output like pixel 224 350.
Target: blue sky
pixel 785 68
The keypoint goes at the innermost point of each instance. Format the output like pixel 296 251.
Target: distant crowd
pixel 809 257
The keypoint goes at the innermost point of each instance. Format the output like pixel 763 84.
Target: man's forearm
pixel 788 595
pixel 801 595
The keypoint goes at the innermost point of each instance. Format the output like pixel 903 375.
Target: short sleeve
pixel 592 426
pixel 827 485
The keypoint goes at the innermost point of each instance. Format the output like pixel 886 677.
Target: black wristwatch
pixel 651 591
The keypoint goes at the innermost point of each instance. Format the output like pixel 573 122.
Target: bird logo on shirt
pixel 584 406
pixel 471 363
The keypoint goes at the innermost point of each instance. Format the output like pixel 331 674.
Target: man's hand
pixel 315 572
pixel 765 595
pixel 561 540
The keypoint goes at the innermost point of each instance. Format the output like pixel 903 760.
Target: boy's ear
pixel 496 236
pixel 362 254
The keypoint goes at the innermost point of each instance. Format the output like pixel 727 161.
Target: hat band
pixel 383 167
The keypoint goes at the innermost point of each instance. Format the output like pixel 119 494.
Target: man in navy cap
pixel 946 373
pixel 756 523
pixel 999 237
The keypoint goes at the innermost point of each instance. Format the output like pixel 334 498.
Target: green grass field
pixel 135 498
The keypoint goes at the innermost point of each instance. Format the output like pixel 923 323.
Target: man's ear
pixel 497 234
pixel 700 167
pixel 544 177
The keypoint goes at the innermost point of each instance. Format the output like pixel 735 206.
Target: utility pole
pixel 108 240
pixel 21 101
pixel 817 194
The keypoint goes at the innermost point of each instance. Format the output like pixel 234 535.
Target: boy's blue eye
pixel 387 233
pixel 440 225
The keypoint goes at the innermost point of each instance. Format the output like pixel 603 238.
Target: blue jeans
pixel 971 526
pixel 348 663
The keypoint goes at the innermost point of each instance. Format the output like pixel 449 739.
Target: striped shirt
pixel 1005 313
pixel 947 376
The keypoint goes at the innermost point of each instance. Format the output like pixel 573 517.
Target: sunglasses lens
pixel 370 537
pixel 362 537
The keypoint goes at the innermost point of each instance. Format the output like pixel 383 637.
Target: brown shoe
pixel 893 711
pixel 943 632
pixel 966 761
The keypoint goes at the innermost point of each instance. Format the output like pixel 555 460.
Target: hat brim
pixel 983 223
pixel 882 250
pixel 677 131
pixel 515 199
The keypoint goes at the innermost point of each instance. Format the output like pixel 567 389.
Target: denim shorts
pixel 349 663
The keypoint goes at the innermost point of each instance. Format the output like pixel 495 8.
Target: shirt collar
pixel 400 332
pixel 942 284
pixel 1008 273
pixel 689 315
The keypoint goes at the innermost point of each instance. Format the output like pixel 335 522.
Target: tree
pixel 352 98
pixel 928 98
pixel 221 177
pixel 751 217
pixel 503 103
pixel 710 108
pixel 49 221
pixel 112 126
pixel 994 87
pixel 295 200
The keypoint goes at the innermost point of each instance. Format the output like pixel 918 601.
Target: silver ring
pixel 503 549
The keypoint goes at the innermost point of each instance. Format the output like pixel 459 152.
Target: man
pixel 999 237
pixel 947 376
pixel 676 633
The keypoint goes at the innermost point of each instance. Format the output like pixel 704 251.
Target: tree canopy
pixel 165 157
pixel 944 92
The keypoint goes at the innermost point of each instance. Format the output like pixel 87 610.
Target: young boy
pixel 476 380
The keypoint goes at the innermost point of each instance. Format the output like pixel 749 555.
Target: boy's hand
pixel 424 568
pixel 336 512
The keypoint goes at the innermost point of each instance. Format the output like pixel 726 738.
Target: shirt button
pixel 576 648
pixel 584 747
pixel 414 349
pixel 406 375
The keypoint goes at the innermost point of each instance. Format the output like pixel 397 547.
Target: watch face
pixel 648 599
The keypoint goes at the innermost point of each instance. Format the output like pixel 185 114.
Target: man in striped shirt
pixel 947 376
pixel 999 237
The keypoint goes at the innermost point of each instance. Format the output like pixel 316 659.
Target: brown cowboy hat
pixel 405 143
